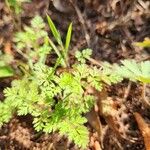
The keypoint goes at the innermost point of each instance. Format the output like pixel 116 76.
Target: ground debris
pixel 144 128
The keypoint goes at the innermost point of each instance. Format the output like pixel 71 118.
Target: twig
pixel 145 59
pixel 118 143
pixel 93 61
pixel 126 93
pixel 82 21
pixel 78 46
pixel 145 101
pixel 104 132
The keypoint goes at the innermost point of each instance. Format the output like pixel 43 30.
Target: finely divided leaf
pixel 135 71
pixel 132 66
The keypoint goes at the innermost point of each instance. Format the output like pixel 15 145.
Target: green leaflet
pixel 82 56
pixel 145 43
pixel 135 71
pixel 62 49
pixel 5 68
pixel 28 45
pixel 6 71
pixel 27 96
pixel 68 38
pixel 54 30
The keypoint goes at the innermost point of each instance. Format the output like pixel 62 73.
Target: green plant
pixel 82 56
pixel 62 52
pixel 57 101
pixel 32 43
pixel 57 97
pixel 15 5
pixel 5 69
pixel 140 71
pixel 134 71
pixel 145 43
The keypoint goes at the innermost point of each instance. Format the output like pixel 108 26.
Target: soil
pixel 109 28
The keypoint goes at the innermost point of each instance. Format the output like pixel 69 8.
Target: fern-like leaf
pixel 135 71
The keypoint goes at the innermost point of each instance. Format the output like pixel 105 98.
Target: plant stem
pixel 57 52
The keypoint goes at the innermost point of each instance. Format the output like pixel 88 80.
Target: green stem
pixel 57 52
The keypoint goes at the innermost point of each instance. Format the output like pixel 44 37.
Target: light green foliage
pixel 82 56
pixel 56 102
pixel 54 30
pixel 145 43
pixel 5 112
pixel 62 51
pixel 135 71
pixel 109 73
pixel 16 5
pixel 34 41
pixel 68 38
pixel 96 76
pixel 138 71
pixel 5 69
pixel 56 99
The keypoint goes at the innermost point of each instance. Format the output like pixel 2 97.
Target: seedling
pixel 63 52
pixel 32 43
pixel 56 96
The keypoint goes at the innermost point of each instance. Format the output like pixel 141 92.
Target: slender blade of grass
pixel 55 32
pixel 56 51
pixel 68 37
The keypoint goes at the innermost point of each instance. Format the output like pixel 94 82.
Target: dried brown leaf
pixel 94 121
pixel 144 128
